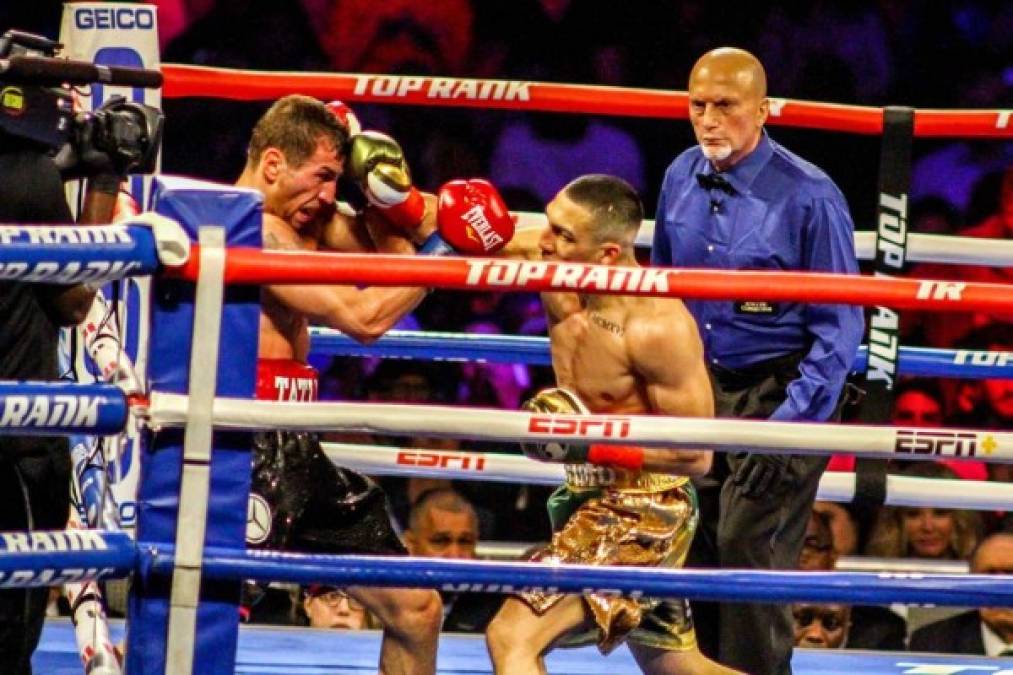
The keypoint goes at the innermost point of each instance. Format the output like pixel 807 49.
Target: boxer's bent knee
pixel 415 613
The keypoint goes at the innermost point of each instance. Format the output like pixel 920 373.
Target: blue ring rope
pixel 50 558
pixel 47 408
pixel 67 254
pixel 738 585
pixel 437 346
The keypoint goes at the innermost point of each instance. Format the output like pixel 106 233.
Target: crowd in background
pixel 954 54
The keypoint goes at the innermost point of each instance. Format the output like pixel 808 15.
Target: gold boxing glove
pixel 377 165
pixel 556 401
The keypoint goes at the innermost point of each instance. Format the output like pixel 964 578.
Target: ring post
pixel 195 204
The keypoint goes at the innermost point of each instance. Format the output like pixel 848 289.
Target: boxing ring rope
pixel 515 550
pixel 45 408
pixel 26 407
pixel 256 266
pixel 73 254
pixel 463 464
pixel 471 575
pixel 169 410
pixel 93 554
pixel 50 558
pixel 934 248
pixel 250 85
pixel 532 350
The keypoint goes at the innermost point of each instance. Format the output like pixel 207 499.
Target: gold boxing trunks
pixel 617 526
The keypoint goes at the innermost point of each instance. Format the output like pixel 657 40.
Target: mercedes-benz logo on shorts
pixel 258 519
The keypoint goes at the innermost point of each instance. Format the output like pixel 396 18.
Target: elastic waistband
pixel 589 477
pixel 286 380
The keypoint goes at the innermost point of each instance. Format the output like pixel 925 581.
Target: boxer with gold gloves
pixel 620 505
pixel 299 501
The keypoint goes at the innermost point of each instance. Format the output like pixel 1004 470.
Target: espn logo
pixel 443 460
pixel 609 427
pixel 946 443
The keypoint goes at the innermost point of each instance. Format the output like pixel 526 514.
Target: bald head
pixel 727 105
pixel 994 555
pixel 733 66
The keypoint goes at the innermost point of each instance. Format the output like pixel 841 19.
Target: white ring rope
pixel 834 486
pixel 921 247
pixel 649 430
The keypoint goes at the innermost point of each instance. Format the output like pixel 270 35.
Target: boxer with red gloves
pixel 620 505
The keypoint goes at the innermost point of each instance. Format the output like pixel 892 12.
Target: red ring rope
pixel 251 85
pixel 255 266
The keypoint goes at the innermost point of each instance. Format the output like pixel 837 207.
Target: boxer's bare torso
pixel 610 350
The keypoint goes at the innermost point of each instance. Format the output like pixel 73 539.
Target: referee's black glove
pixel 757 475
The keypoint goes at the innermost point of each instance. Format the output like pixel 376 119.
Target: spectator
pixel 934 215
pixel 443 524
pixel 919 403
pixel 842 525
pixel 942 330
pixel 821 626
pixel 398 36
pixel 542 153
pixel 830 625
pixel 330 607
pixel 952 171
pixel 987 403
pixel 924 532
pixel 987 631
pixel 499 385
pixel 818 546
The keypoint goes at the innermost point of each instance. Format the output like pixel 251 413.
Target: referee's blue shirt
pixel 779 213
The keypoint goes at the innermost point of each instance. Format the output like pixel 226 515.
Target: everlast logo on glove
pixel 472 217
pixel 480 226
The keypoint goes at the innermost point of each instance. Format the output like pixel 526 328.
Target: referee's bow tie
pixel 714 181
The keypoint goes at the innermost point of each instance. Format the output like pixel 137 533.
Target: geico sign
pixel 121 18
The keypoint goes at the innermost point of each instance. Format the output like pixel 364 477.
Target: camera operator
pixel 35 472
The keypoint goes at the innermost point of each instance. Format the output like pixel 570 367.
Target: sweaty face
pixel 446 534
pixel 821 626
pixel 917 409
pixel 727 113
pixel 568 234
pixel 929 531
pixel 300 193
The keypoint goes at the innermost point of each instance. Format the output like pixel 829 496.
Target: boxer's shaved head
pixel 733 66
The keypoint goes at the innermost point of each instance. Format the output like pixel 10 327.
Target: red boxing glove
pixel 472 217
pixel 345 116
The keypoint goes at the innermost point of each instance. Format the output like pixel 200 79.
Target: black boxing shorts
pixel 300 501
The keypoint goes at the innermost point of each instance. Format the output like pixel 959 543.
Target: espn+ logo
pixel 954 444
pixel 120 18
